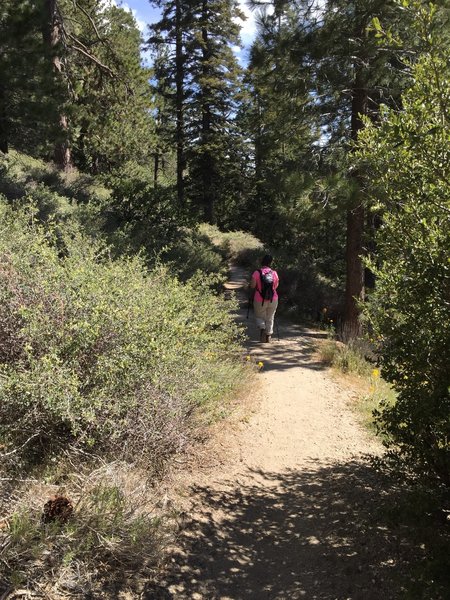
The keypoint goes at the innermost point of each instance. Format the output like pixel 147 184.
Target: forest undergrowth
pixel 115 361
pixel 111 368
pixel 421 505
pixel 331 145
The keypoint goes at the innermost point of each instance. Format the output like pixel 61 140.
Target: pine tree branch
pixel 81 48
pixel 91 21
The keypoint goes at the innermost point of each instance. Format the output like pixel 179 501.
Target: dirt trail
pixel 293 514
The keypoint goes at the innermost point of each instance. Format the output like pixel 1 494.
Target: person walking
pixel 265 301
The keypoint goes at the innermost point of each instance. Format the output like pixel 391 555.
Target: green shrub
pixel 194 252
pixel 21 174
pixel 142 217
pixel 102 354
pixel 347 358
pixel 406 154
pixel 62 199
pixel 237 246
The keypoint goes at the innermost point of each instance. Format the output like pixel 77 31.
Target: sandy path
pixel 293 514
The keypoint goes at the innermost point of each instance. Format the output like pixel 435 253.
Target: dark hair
pixel 267 260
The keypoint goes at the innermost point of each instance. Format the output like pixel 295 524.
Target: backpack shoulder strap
pixel 260 279
pixel 261 285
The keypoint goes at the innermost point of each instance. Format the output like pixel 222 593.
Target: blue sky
pixel 144 14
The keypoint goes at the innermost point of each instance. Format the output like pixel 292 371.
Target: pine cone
pixel 58 508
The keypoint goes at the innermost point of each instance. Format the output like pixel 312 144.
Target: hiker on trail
pixel 265 301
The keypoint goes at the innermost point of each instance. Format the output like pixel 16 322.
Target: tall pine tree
pixel 201 84
pixel 326 53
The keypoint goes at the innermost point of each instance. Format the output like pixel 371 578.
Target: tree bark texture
pixel 3 121
pixel 179 100
pixel 354 288
pixel 206 158
pixel 155 169
pixel 51 34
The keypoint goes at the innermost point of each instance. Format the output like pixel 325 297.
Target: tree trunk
pixel 259 155
pixel 155 169
pixel 206 158
pixel 179 83
pixel 3 121
pixel 51 33
pixel 354 288
pixel 373 223
pixel 62 152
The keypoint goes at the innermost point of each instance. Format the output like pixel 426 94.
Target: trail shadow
pixel 281 356
pixel 292 345
pixel 318 533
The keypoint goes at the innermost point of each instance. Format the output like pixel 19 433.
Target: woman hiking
pixel 265 301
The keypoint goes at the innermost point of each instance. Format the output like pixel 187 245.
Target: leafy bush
pixel 142 217
pixel 348 358
pixel 407 156
pixel 208 250
pixel 234 245
pixel 193 252
pixel 103 354
pixel 63 199
pixel 21 173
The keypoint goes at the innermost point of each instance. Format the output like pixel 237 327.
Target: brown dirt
pixel 294 510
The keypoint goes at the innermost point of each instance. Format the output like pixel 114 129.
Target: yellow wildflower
pixel 376 373
pixel 247 357
pixel 260 365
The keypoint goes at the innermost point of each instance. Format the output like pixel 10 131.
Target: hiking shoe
pixel 262 335
pixel 268 338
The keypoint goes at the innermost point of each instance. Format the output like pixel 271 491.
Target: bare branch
pixel 2 456
pixel 80 47
pixel 91 21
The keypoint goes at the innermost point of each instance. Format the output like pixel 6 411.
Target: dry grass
pixel 116 535
pixel 239 246
pixel 124 519
pixel 358 374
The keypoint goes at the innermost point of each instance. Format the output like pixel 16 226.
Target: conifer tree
pixel 165 126
pixel 326 52
pixel 111 94
pixel 201 78
pixel 354 75
pixel 52 33
pixel 27 92
pixel 73 87
pixel 277 119
pixel 214 102
pixel 168 41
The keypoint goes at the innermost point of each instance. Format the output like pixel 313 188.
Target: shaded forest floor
pixel 294 508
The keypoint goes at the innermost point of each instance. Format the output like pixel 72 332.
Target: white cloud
pixel 249 26
pixel 142 25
